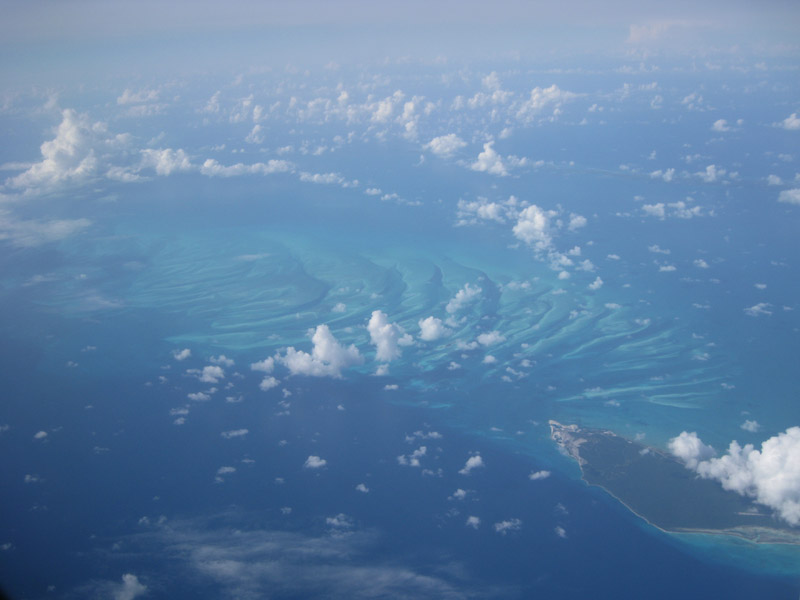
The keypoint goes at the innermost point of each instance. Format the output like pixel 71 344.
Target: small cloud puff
pixel 489 161
pixel 327 358
pixel 445 145
pixel 790 196
pixel 473 462
pixel 792 122
pixel 473 522
pixel 386 337
pixel 314 462
pixel 431 329
pixel 535 476
pixel 182 354
pixel 464 296
pixel 503 527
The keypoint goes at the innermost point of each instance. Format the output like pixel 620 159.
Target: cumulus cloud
pixel 751 426
pixel 489 161
pixel 771 476
pixel 474 211
pixel 790 196
pixel 386 337
pixel 690 449
pixel 314 462
pixel 542 98
pixel 758 310
pixel 166 161
pixel 473 521
pixel 464 296
pixel 211 374
pixel 596 284
pixel 129 589
pixel 412 460
pixel 268 383
pixel 792 122
pixel 212 168
pixel 503 527
pixel 720 125
pixel 535 476
pixel 327 358
pixel 265 366
pixel 445 145
pixel 432 329
pixel 234 433
pixel 576 222
pixel 473 462
pixel 182 354
pixel 80 152
pixel 490 338
pixel 533 227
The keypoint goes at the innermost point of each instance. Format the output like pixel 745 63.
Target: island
pixel 658 488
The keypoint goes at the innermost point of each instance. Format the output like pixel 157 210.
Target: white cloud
pixel 386 337
pixel 362 488
pixel 711 174
pixel 774 180
pixel 199 397
pixel 327 359
pixel 140 97
pixel 473 462
pixel 226 470
pixel 771 476
pixel 445 145
pixel 790 196
pixel 340 521
pixel 471 212
pixel 221 360
pixel 596 284
pixel 541 98
pixel 720 125
pixel 412 460
pixel 182 354
pixel 751 426
pixel 265 366
pixel 268 383
pixel 340 307
pixel 473 521
pixel 211 374
pixel 235 433
pixel 489 161
pixel 792 122
pixel 758 310
pixel 129 589
pixel 504 527
pixel 314 462
pixel 576 222
pixel 491 338
pixel 212 168
pixel 700 263
pixel 667 175
pixel 80 152
pixel 533 227
pixel 166 161
pixel 690 449
pixel 431 329
pixel 464 296
pixel 654 210
pixel 539 475
pixel 40 435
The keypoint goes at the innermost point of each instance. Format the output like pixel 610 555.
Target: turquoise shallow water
pixel 624 358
